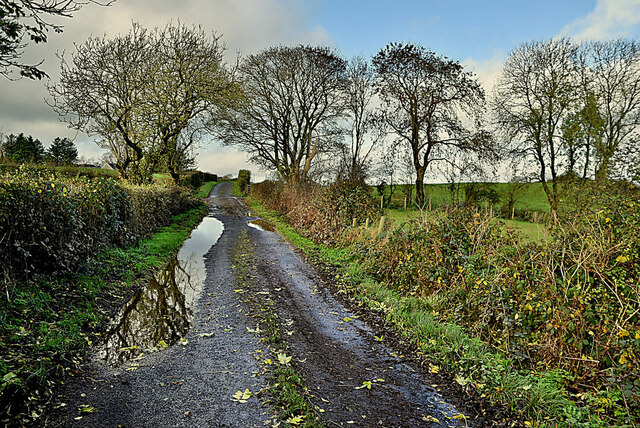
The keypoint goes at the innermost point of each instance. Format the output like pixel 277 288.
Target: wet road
pixel 218 351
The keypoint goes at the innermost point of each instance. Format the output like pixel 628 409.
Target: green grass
pixel 539 398
pixel 531 232
pixel 205 189
pixel 287 390
pixel 530 198
pixel 236 189
pixel 48 323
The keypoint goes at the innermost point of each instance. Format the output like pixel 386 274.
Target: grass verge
pixel 51 321
pixel 205 189
pixel 538 397
pixel 236 189
pixel 287 391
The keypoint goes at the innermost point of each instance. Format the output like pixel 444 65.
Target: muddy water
pixel 262 225
pixel 160 313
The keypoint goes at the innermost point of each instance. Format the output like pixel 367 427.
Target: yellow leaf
pixel 283 359
pixel 295 420
pixel 365 384
pixel 623 333
pixel 623 359
pixel 622 259
pixel 242 397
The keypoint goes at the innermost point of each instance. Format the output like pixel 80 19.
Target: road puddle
pixel 262 225
pixel 160 313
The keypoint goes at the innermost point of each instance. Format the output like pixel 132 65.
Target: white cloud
pixel 609 19
pixel 488 71
pixel 247 26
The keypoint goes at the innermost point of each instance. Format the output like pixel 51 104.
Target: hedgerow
pixel 322 214
pixel 51 223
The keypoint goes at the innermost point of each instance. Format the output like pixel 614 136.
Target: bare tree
pixel 189 83
pixel 144 94
pixel 293 100
pixel 24 21
pixel 365 132
pixel 429 102
pixel 102 91
pixel 534 95
pixel 611 73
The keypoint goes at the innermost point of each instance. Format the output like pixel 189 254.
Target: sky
pixel 478 33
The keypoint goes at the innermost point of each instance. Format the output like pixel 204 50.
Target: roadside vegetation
pixel 72 249
pixel 205 189
pixel 547 327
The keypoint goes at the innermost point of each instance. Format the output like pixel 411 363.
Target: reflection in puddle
pixel 262 225
pixel 160 313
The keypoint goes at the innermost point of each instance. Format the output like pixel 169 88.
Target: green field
pixel 531 197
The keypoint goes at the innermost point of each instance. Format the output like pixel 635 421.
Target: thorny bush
pixel 50 223
pixel 322 214
pixel 572 303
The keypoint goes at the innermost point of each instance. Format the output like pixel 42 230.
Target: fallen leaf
pixel 85 408
pixel 283 359
pixel 295 420
pixel 365 384
pixel 242 397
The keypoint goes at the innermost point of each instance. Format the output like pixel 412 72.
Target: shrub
pixel 49 223
pixel 571 303
pixel 322 214
pixel 244 179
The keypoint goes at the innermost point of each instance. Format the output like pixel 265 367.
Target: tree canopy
pixel 292 101
pixel 430 103
pixel 25 21
pixel 22 149
pixel 62 152
pixel 146 94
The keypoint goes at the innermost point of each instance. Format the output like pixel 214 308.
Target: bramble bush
pixel 50 223
pixel 322 214
pixel 572 303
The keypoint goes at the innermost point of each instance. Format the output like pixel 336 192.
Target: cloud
pixel 226 160
pixel 246 26
pixel 609 19
pixel 488 71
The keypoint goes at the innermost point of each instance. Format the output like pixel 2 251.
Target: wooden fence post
pixel 382 202
pixel 381 225
pixel 353 224
pixel 366 223
pixel 513 212
pixel 405 203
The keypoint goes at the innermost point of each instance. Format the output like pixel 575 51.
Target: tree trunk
pixel 420 186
